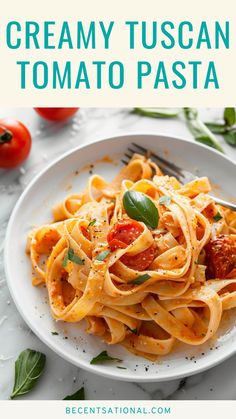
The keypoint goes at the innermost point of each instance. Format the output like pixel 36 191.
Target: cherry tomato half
pixel 56 114
pixel 221 257
pixel 142 260
pixel 122 234
pixel 15 143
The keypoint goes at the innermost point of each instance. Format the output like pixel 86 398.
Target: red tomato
pixel 85 232
pixel 124 233
pixel 56 114
pixel 142 260
pixel 15 143
pixel 221 257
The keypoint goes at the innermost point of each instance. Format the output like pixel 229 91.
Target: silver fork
pixel 171 169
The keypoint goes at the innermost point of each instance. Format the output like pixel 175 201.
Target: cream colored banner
pixel 113 71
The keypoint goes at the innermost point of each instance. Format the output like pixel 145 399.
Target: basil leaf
pixel 101 256
pixel 70 255
pixel 141 208
pixel 229 116
pixel 208 141
pixel 28 368
pixel 165 200
pixel 78 395
pixel 217 217
pixel 228 132
pixel 158 112
pixel 103 356
pixel 216 128
pixel 230 137
pixel 200 131
pixel 92 222
pixel 140 279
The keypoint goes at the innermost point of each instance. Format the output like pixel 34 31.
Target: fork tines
pixel 158 158
pixel 168 168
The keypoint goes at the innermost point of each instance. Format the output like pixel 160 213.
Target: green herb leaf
pixel 141 208
pixel 121 368
pixel 92 222
pixel 158 112
pixel 199 130
pixel 217 217
pixel 134 331
pixel 28 368
pixel 140 279
pixel 230 137
pixel 65 260
pixel 70 255
pixel 54 333
pixel 229 116
pixel 101 256
pixel 78 395
pixel 103 357
pixel 216 128
pixel 165 200
pixel 208 141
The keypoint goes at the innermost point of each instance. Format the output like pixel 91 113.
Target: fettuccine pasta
pixel 139 286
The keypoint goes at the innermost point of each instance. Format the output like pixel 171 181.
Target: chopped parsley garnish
pixel 54 333
pixel 217 217
pixel 121 368
pixel 134 331
pixel 103 357
pixel 101 256
pixel 140 279
pixel 165 200
pixel 92 222
pixel 70 255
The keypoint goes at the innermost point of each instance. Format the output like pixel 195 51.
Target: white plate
pixel 34 208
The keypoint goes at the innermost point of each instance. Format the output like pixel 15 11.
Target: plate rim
pixel 194 369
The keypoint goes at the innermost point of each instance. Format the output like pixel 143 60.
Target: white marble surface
pixel 60 377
